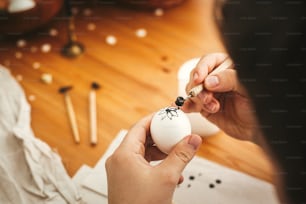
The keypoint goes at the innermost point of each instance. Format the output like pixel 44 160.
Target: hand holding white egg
pixel 169 126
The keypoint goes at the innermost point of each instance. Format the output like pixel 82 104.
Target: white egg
pixel 169 126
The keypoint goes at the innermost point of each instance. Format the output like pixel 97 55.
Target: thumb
pixel 182 154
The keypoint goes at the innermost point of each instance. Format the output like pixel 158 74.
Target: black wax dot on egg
pixel 211 185
pixel 218 181
pixel 189 185
pixel 179 101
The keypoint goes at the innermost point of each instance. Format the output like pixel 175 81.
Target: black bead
pixel 179 101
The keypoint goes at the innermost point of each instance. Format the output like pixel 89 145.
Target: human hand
pixel 131 178
pixel 223 101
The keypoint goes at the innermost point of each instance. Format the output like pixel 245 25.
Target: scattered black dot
pixel 211 185
pixel 189 185
pixel 218 181
pixel 191 177
pixel 200 174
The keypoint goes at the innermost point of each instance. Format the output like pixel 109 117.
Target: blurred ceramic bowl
pixel 13 23
pixel 150 4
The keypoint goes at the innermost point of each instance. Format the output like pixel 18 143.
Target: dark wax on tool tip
pixel 179 101
pixel 64 89
pixel 95 85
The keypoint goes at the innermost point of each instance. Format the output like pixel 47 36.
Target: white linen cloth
pixel 30 172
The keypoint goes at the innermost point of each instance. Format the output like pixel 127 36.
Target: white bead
pixel 36 65
pixel 53 32
pixel 91 26
pixel 47 78
pixel 141 32
pixel 159 12
pixel 45 48
pixel 111 40
pixel 21 43
pixel 19 77
pixel 32 97
pixel 18 55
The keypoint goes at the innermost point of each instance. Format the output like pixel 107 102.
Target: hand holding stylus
pixel 223 100
pixel 226 64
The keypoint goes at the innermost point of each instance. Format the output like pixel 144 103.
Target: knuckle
pixel 184 156
pixel 171 178
pixel 114 160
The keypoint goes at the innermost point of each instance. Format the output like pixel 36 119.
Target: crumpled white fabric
pixel 30 172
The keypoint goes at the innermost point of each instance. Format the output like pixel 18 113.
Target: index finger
pixel 136 137
pixel 204 67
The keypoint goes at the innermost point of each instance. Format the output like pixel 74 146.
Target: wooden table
pixel 137 76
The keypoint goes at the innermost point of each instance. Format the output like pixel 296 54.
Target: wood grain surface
pixel 137 76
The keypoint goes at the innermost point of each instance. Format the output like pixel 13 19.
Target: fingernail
pixel 195 141
pixel 211 81
pixel 195 76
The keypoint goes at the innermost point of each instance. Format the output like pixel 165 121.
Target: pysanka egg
pixel 169 126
